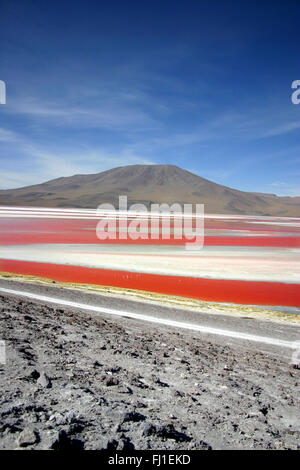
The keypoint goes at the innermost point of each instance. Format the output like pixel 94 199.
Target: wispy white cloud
pixel 45 165
pixel 282 129
pixel 282 188
pixel 146 130
pixel 15 179
pixel 215 175
pixel 109 111
pixel 8 135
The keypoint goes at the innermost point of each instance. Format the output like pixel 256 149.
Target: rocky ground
pixel 76 381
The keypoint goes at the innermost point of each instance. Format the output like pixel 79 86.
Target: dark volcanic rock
pixel 133 416
pixel 168 431
pixel 65 442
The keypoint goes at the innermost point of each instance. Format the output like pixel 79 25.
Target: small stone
pixel 168 431
pixel 111 381
pixel 97 364
pixel 48 439
pixel 278 445
pixel 34 374
pixel 133 416
pixel 126 444
pixel 27 437
pixel 125 389
pixel 64 442
pixel 70 374
pixel 205 446
pixel 148 429
pixel 58 418
pixel 108 444
pixel 201 445
pixel 264 410
pixel 44 381
pixel 28 318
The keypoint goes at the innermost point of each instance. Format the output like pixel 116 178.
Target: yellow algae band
pixel 254 312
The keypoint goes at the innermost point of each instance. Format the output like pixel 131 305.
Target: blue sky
pixel 205 85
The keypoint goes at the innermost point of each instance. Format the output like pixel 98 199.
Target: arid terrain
pixel 149 184
pixel 74 380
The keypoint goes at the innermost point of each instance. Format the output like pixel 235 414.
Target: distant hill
pixel 149 184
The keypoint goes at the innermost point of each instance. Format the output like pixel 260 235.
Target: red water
pixel 22 231
pixel 214 290
pixel 25 231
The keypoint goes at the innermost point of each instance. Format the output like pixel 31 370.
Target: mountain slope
pixel 149 184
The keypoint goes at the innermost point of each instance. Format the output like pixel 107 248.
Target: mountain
pixel 149 184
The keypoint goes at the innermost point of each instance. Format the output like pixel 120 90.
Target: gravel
pixel 73 381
